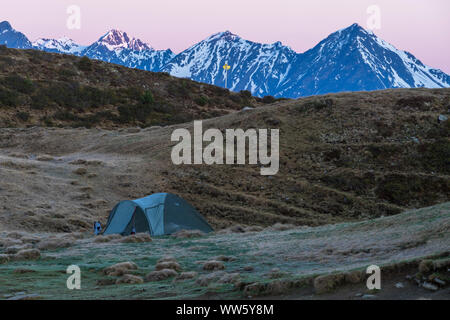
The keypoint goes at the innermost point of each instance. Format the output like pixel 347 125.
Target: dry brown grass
pixel 352 161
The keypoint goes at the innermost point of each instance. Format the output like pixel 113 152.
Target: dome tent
pixel 159 214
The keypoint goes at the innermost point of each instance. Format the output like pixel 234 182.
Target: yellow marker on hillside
pixel 226 67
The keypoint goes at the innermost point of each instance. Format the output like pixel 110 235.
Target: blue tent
pixel 158 214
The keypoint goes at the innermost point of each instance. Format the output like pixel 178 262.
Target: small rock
pixel 248 268
pixel 399 285
pixel 442 118
pixel 439 281
pixel 429 286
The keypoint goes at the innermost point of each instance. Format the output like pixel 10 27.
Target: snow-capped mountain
pixel 260 68
pixel 351 59
pixel 63 45
pixel 12 38
pixel 117 47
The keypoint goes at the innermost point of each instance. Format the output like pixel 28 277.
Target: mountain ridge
pixel 350 59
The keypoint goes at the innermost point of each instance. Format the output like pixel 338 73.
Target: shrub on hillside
pixel 17 83
pixel 85 64
pixel 268 99
pixel 436 156
pixel 236 98
pixel 201 101
pixel 66 73
pixel 39 101
pixel 147 98
pixel 245 93
pixel 319 104
pixel 8 98
pixel 24 116
pixel 178 90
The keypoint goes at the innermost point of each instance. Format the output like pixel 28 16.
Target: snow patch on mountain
pixel 350 59
pixel 63 45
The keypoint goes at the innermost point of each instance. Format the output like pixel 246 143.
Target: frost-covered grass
pixel 296 253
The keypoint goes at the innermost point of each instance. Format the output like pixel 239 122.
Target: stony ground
pixel 282 261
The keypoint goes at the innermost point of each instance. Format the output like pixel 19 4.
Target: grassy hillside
pixel 45 89
pixel 343 157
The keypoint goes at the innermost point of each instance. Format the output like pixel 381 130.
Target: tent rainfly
pixel 159 214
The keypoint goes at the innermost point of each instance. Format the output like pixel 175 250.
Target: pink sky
pixel 421 27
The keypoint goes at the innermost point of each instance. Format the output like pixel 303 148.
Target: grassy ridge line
pixel 47 89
